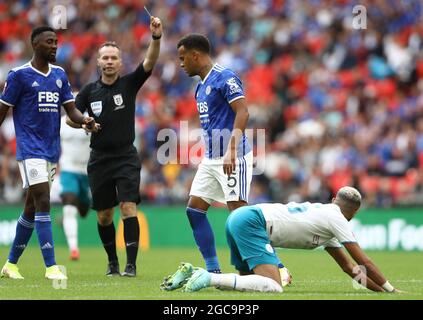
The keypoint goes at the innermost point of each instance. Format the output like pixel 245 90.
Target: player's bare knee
pixel 198 203
pixel 29 209
pixel 29 214
pixel 83 211
pixel 269 271
pixel 245 273
pixel 42 202
pixel 69 198
pixel 232 205
pixel 105 217
pixel 104 220
pixel 128 209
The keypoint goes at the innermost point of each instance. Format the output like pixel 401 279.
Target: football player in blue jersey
pixel 35 91
pixel 225 172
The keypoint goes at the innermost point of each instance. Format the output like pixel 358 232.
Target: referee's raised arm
pixel 114 165
pixel 154 48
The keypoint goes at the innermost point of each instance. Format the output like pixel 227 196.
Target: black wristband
pixel 156 37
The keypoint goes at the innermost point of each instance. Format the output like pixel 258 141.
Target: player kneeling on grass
pixel 252 231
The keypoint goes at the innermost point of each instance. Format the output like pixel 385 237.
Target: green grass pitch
pixel 315 276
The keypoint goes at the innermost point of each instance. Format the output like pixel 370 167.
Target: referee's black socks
pixel 131 234
pixel 108 237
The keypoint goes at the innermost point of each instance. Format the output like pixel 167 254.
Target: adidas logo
pixel 47 246
pixel 35 84
pixel 232 193
pixel 20 246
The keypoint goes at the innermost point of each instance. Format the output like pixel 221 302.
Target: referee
pixel 114 167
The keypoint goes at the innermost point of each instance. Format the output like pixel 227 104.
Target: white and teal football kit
pixel 253 231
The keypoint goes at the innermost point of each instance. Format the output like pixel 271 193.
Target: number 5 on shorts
pixel 232 182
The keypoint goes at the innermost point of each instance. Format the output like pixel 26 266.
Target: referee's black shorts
pixel 114 177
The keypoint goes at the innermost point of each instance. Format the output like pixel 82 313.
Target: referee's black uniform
pixel 114 166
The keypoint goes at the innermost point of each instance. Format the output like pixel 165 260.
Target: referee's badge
pixel 97 107
pixel 118 99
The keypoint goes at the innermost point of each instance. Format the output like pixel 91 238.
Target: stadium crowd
pixel 341 106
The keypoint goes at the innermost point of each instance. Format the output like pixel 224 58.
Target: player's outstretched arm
pixel 351 269
pixel 78 120
pixel 372 271
pixel 154 48
pixel 3 112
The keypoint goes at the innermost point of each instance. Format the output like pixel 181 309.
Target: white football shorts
pixel 212 184
pixel 35 171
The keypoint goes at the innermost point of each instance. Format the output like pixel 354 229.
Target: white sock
pixel 252 282
pixel 70 225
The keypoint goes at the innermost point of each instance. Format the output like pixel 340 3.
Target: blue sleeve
pixel 231 87
pixel 12 90
pixel 66 91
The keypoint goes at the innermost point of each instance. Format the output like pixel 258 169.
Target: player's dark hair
pixel 40 30
pixel 195 41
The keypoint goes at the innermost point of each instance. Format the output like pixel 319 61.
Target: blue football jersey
pixel 36 99
pixel 214 95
